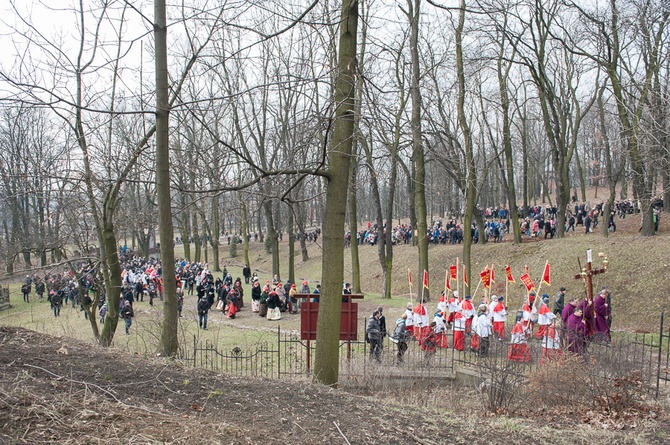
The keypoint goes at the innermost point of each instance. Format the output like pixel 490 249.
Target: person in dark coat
pixel 246 272
pixel 382 326
pixel 559 302
pixel 203 309
pixel 127 314
pixel 374 335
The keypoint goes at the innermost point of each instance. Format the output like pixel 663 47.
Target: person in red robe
pixel 459 331
pixel 518 348
pixel 468 312
pixel 441 330
pixel 499 318
pixel 529 314
pixel 409 320
pixel 551 345
pixel 453 304
pixel 545 317
pixel 421 321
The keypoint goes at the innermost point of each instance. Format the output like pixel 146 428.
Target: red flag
pixel 409 277
pixel 453 271
pixel 525 278
pixel 447 281
pixel 493 276
pixel 508 271
pixel 485 275
pixel 465 277
pixel 425 278
pixel 546 276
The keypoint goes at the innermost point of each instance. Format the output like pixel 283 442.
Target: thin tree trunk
pixel 169 343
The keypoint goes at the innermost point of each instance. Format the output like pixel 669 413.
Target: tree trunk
pixel 291 246
pixel 471 181
pixel 169 342
pixel 326 360
pixel 414 11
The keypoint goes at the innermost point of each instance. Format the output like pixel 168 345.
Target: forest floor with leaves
pixel 60 390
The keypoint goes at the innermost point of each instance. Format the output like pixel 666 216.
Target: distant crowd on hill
pixel 534 221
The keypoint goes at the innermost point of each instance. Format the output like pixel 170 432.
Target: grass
pixel 636 278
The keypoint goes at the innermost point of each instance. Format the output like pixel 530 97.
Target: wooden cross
pixel 586 276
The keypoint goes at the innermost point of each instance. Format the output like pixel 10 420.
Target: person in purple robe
pixel 568 310
pixel 602 313
pixel 577 332
pixel 587 314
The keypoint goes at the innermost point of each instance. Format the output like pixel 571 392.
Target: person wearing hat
pixel 274 306
pixel 545 317
pixel 499 316
pixel 304 288
pixel 468 313
pixel 292 300
pixel 559 302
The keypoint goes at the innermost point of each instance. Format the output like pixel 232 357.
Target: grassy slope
pixel 636 277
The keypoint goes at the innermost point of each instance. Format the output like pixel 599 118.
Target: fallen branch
pixel 341 433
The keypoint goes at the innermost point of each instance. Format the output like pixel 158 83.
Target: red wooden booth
pixel 309 313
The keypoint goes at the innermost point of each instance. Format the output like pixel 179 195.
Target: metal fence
pixel 646 355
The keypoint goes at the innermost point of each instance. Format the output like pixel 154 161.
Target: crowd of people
pixel 534 222
pixel 570 326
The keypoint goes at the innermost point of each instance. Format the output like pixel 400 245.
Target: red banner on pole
pixel 425 278
pixel 525 278
pixel 465 276
pixel 546 276
pixel 493 276
pixel 508 271
pixel 486 278
pixel 409 277
pixel 453 271
pixel 447 281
